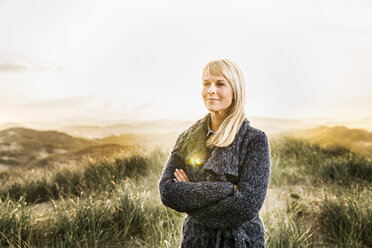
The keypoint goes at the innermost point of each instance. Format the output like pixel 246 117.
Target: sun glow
pixel 194 160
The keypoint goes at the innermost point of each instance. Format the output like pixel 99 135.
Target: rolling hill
pixel 359 140
pixel 29 148
pixel 20 146
pixel 97 151
pixel 164 140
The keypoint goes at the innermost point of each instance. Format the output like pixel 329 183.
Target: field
pixel 318 197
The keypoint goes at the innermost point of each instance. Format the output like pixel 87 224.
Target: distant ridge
pixel 359 139
pixel 10 125
pixel 338 134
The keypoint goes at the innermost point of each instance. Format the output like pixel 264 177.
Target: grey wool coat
pixel 217 214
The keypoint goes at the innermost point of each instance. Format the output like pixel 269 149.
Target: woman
pixel 218 171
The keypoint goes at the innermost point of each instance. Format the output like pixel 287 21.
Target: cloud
pixel 62 103
pixel 24 67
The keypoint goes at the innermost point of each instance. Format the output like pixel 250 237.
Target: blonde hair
pixel 225 134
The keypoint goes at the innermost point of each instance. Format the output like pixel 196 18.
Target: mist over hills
pixel 359 140
pixel 118 129
pixel 95 128
pixel 131 139
pixel 92 128
pixel 339 134
pixel 10 125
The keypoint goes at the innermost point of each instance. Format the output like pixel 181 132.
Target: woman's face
pixel 217 93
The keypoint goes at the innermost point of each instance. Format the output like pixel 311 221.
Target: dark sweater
pixel 216 213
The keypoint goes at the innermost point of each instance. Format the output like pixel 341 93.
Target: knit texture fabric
pixel 216 213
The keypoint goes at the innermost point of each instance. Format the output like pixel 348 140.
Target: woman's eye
pixel 221 84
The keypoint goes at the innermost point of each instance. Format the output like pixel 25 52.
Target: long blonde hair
pixel 225 134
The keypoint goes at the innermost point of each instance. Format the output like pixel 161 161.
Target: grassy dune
pixel 297 159
pixel 320 197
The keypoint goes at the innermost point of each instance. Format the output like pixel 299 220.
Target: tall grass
pixel 128 215
pixel 286 230
pixel 346 217
pixel 295 158
pixel 16 224
pixel 123 218
pixel 41 185
pixel 337 218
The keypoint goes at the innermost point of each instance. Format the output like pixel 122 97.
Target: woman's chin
pixel 212 109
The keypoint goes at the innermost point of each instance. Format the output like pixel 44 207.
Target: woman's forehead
pixel 210 77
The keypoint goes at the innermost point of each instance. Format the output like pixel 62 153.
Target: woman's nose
pixel 212 90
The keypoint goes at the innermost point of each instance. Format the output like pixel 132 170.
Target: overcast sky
pixel 144 59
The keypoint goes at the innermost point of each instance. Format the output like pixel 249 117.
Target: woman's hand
pixel 180 176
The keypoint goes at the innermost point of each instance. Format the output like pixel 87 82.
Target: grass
pixel 16 224
pixel 114 202
pixel 294 159
pixel 40 185
pixel 346 217
pixel 125 217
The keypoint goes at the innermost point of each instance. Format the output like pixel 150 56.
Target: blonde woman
pixel 218 171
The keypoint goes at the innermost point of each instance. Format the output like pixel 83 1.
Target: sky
pixel 143 60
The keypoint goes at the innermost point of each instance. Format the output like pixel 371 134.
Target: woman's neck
pixel 216 120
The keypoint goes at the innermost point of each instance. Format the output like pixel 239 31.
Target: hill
pixel 165 140
pixel 30 148
pixel 358 140
pixel 98 151
pixel 145 127
pixel 19 146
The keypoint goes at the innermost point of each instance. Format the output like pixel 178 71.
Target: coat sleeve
pixel 247 200
pixel 188 196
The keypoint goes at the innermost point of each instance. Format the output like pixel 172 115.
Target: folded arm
pixel 189 196
pixel 247 200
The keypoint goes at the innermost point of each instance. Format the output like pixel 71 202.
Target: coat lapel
pixel 223 162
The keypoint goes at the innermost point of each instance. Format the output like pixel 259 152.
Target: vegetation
pixel 322 198
pixel 297 159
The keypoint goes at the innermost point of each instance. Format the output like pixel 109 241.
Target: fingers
pixel 185 176
pixel 180 176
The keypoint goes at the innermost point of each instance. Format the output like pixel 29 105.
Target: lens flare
pixel 194 161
